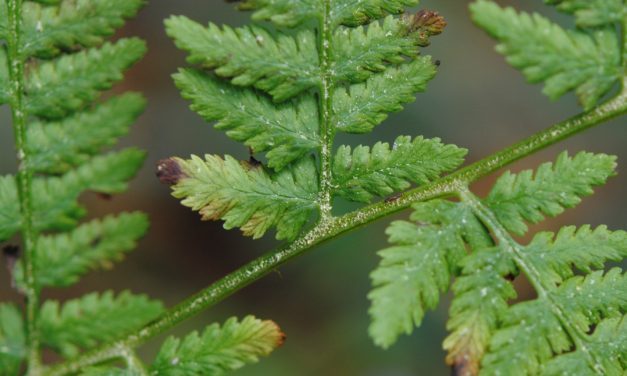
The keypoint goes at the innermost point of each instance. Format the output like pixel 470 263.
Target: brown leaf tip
pixel 428 21
pixel 281 336
pixel 169 171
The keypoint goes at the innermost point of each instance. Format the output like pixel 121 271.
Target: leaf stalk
pixel 24 179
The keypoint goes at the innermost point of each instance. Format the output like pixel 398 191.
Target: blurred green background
pixel 477 101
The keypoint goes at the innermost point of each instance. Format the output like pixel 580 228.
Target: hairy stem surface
pixel 24 179
pixel 326 230
pixel 327 129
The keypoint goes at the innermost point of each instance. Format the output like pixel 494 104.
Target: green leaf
pixel 361 107
pixel 610 339
pixel 9 208
pixel 353 13
pixel 84 323
pixel 12 340
pixel 50 29
pixel 555 187
pixel 279 64
pixel 219 349
pixel 533 333
pixel 348 12
pixel 286 131
pixel 589 63
pixel 4 76
pixel 56 89
pixel 480 299
pixel 107 371
pixel 590 298
pixel 283 12
pixel 592 13
pixel 584 248
pixel 245 195
pixel 414 272
pixel 365 173
pixel 62 259
pixel 56 147
pixel 55 198
pixel 360 52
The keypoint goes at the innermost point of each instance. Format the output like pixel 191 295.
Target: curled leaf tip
pixel 169 171
pixel 426 23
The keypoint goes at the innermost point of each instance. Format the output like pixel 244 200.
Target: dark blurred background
pixel 477 101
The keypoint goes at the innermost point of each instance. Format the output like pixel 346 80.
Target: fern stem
pixel 327 230
pixel 516 252
pixel 327 129
pixel 24 179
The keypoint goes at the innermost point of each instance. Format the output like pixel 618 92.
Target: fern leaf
pixel 56 147
pixel 283 12
pixel 62 259
pixel 281 65
pixel 12 340
pixel 361 107
pixel 414 272
pixel 363 173
pixel 533 334
pixel 219 349
pixel 286 132
pixel 592 13
pixel 56 206
pixel 9 209
pixel 481 296
pixel 516 198
pixel 92 319
pixel 592 297
pixel 589 63
pixel 245 195
pixel 347 12
pixel 609 338
pixel 71 23
pixel 585 248
pixel 353 13
pixel 4 76
pixel 107 371
pixel 57 88
pixel 360 52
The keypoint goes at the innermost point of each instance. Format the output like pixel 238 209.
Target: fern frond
pixel 481 296
pixel 361 107
pixel 592 13
pixel 107 371
pixel 286 132
pixel 361 51
pixel 4 76
pixel 363 173
pixel 610 338
pixel 245 195
pixel 12 339
pixel 62 259
pixel 58 88
pixel 353 13
pixel 71 23
pixel 56 206
pixel 589 63
pixel 56 147
pixel 219 349
pixel 281 65
pixel 92 319
pixel 413 273
pixel 555 187
pixel 533 333
pixel 347 12
pixel 584 248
